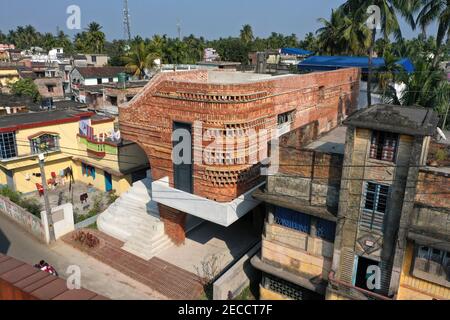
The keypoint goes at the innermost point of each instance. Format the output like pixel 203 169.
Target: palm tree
pixel 330 35
pixel 95 37
pixel 436 10
pixel 389 24
pixel 427 87
pixel 139 59
pixel 247 34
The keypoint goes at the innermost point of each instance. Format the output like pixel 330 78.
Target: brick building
pixel 225 105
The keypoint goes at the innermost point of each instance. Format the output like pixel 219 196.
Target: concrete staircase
pixel 134 219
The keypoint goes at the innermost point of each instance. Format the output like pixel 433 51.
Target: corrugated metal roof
pixel 36 284
pixel 322 63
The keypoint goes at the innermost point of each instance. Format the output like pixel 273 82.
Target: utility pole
pixel 48 209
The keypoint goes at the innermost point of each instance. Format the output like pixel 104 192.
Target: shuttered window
pixel 384 146
pixel 375 206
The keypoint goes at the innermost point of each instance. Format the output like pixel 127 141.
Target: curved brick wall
pixel 187 96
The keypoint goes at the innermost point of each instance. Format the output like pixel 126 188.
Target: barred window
pixel 287 117
pixel 292 219
pixel 282 287
pixel 8 147
pixel 45 143
pixel 375 206
pixel 384 146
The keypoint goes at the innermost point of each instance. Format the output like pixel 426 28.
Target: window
pixel 99 81
pixel 111 79
pixel 293 219
pixel 287 117
pixel 8 147
pixel 375 206
pixel 45 143
pixel 433 260
pixel 384 146
pixel 282 287
pixel 94 59
pixel 325 230
pixel 321 94
pixel 50 88
pixel 88 170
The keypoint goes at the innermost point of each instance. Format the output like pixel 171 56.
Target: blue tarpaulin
pixel 296 52
pixel 324 63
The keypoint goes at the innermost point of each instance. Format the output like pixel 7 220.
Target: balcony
pixel 98 148
pixel 224 214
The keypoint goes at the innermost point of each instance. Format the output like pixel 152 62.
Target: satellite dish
pixel 441 134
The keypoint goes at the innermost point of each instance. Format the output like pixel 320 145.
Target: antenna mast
pixel 126 21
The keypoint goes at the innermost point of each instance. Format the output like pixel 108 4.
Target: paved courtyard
pixel 161 277
pixel 96 200
pixel 211 240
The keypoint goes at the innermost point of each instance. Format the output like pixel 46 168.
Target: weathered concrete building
pixel 358 202
pixel 385 148
pixel 301 204
pixel 221 105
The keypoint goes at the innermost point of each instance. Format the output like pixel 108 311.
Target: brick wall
pixel 174 224
pixel 188 97
pixel 44 83
pixel 432 189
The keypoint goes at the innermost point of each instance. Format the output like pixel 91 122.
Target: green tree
pixel 426 87
pixel 26 87
pixel 389 24
pixel 96 38
pixel 330 36
pixel 139 59
pixel 436 11
pixel 246 34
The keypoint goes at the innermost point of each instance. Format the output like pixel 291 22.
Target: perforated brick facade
pixel 229 109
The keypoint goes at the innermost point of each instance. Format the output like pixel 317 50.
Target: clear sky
pixel 209 18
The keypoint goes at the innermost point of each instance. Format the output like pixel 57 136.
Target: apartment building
pixel 87 83
pixel 82 141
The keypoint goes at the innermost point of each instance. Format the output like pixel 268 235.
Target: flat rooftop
pixel 236 77
pixel 36 118
pixel 415 121
pixel 332 142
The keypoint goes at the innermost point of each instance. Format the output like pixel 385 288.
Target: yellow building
pixel 74 141
pixel 8 76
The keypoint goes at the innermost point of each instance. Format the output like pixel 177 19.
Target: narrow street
pixel 95 275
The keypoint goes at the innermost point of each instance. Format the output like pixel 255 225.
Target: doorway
pixel 362 275
pixel 108 182
pixel 182 173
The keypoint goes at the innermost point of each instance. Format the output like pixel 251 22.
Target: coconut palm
pixel 95 38
pixel 389 24
pixel 425 87
pixel 139 59
pixel 247 34
pixel 432 11
pixel 330 35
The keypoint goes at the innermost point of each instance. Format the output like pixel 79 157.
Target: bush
pixel 441 155
pixel 31 205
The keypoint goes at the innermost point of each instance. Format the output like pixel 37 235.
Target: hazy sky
pixel 211 19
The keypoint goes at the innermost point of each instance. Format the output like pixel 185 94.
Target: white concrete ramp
pixel 134 219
